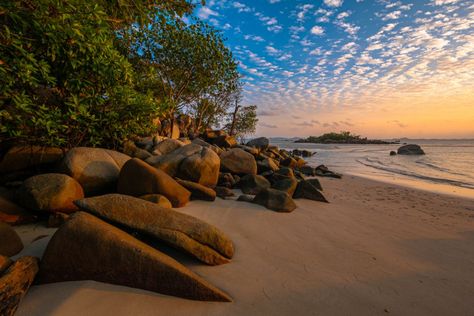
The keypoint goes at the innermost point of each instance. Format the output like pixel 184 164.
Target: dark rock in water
pixel 275 200
pixel 10 242
pixel 224 192
pixel 158 199
pixel 323 171
pixel 410 149
pixel 96 169
pixel 302 153
pixel 393 153
pixel 137 178
pixel 306 190
pixel 261 143
pixel 87 248
pixel 246 198
pixel 15 282
pixel 286 185
pixel 184 232
pixel 198 191
pixel 238 161
pixel 315 183
pixel 50 192
pixel 307 170
pixel 252 184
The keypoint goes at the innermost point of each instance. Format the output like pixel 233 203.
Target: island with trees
pixel 343 137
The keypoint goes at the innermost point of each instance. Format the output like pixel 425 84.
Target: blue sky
pixel 382 68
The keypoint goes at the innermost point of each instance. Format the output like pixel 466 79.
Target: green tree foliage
pixel 64 77
pixel 242 121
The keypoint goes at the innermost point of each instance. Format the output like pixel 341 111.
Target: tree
pixel 66 75
pixel 242 121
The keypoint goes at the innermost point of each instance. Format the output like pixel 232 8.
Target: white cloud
pixel 333 3
pixel 205 12
pixel 317 30
pixel 442 2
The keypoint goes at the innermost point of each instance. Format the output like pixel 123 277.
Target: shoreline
pixel 376 247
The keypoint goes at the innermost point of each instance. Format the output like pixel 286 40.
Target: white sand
pixel 377 249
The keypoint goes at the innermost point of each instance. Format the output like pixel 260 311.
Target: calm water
pixel 448 165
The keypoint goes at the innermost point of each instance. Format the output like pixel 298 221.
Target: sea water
pixel 447 167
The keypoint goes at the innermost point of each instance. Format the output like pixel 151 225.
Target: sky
pixel 378 68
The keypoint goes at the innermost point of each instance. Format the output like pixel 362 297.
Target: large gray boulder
pixel 87 248
pixel 184 232
pixel 261 143
pixel 238 161
pixel 96 169
pixel 410 149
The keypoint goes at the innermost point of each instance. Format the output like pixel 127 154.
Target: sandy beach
pixel 376 249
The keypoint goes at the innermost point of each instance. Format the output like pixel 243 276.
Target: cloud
pixel 443 2
pixel 267 125
pixel 333 3
pixel 317 30
pixel 205 12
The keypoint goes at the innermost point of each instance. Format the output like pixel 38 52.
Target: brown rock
pixel 252 184
pixel 50 192
pixel 15 282
pixel 157 199
pixel 5 262
pixel 137 178
pixel 224 192
pixel 23 157
pixel 225 141
pixel 286 185
pixel 305 190
pixel 57 219
pixel 245 198
pixel 96 169
pixel 167 146
pixel 289 162
pixel 10 242
pixel 196 237
pixel 13 214
pixel 275 200
pixel 198 192
pixel 238 161
pixel 130 149
pixel 267 164
pixel 87 248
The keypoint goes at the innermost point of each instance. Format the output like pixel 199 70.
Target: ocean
pixel 447 167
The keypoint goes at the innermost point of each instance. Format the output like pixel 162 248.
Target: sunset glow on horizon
pixel 382 68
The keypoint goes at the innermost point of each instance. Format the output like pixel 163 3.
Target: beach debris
pixel 10 242
pixel 137 178
pixel 252 184
pixel 238 161
pixel 87 248
pixel 198 191
pixel 50 192
pixel 158 199
pixel 305 190
pixel 410 149
pixel 187 233
pixel 275 200
pixel 15 282
pixel 96 169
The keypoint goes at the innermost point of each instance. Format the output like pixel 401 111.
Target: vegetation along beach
pixel 277 157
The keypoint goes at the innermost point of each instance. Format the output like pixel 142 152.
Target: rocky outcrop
pixel 198 191
pixel 410 149
pixel 157 199
pixel 275 200
pixel 87 248
pixel 137 178
pixel 184 232
pixel 306 190
pixel 252 184
pixel 260 143
pixel 238 161
pixel 23 157
pixel 15 282
pixel 50 192
pixel 96 169
pixel 10 242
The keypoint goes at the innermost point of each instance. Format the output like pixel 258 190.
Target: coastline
pixel 377 248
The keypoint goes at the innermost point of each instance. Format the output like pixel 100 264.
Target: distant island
pixel 342 138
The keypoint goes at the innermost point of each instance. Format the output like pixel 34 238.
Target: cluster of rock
pixel 114 208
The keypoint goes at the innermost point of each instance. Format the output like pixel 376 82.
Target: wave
pixel 377 164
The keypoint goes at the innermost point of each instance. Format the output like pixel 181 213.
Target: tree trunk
pixel 15 283
pixel 234 118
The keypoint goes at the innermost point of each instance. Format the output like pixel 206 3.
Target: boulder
pixel 226 180
pixel 245 198
pixel 306 190
pixel 410 149
pixel 250 150
pixel 96 169
pixel 267 164
pixel 393 153
pixel 50 192
pixel 323 171
pixel 275 200
pixel 87 248
pixel 286 185
pixel 252 184
pixel 225 141
pixel 10 242
pixel 307 170
pixel 260 143
pixel 15 282
pixel 286 172
pixel 166 146
pixel 130 149
pixel 158 199
pixel 13 214
pixel 5 262
pixel 289 162
pixel 315 183
pixel 137 178
pixel 184 232
pixel 224 192
pixel 198 191
pixel 23 157
pixel 238 161
pixel 57 219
